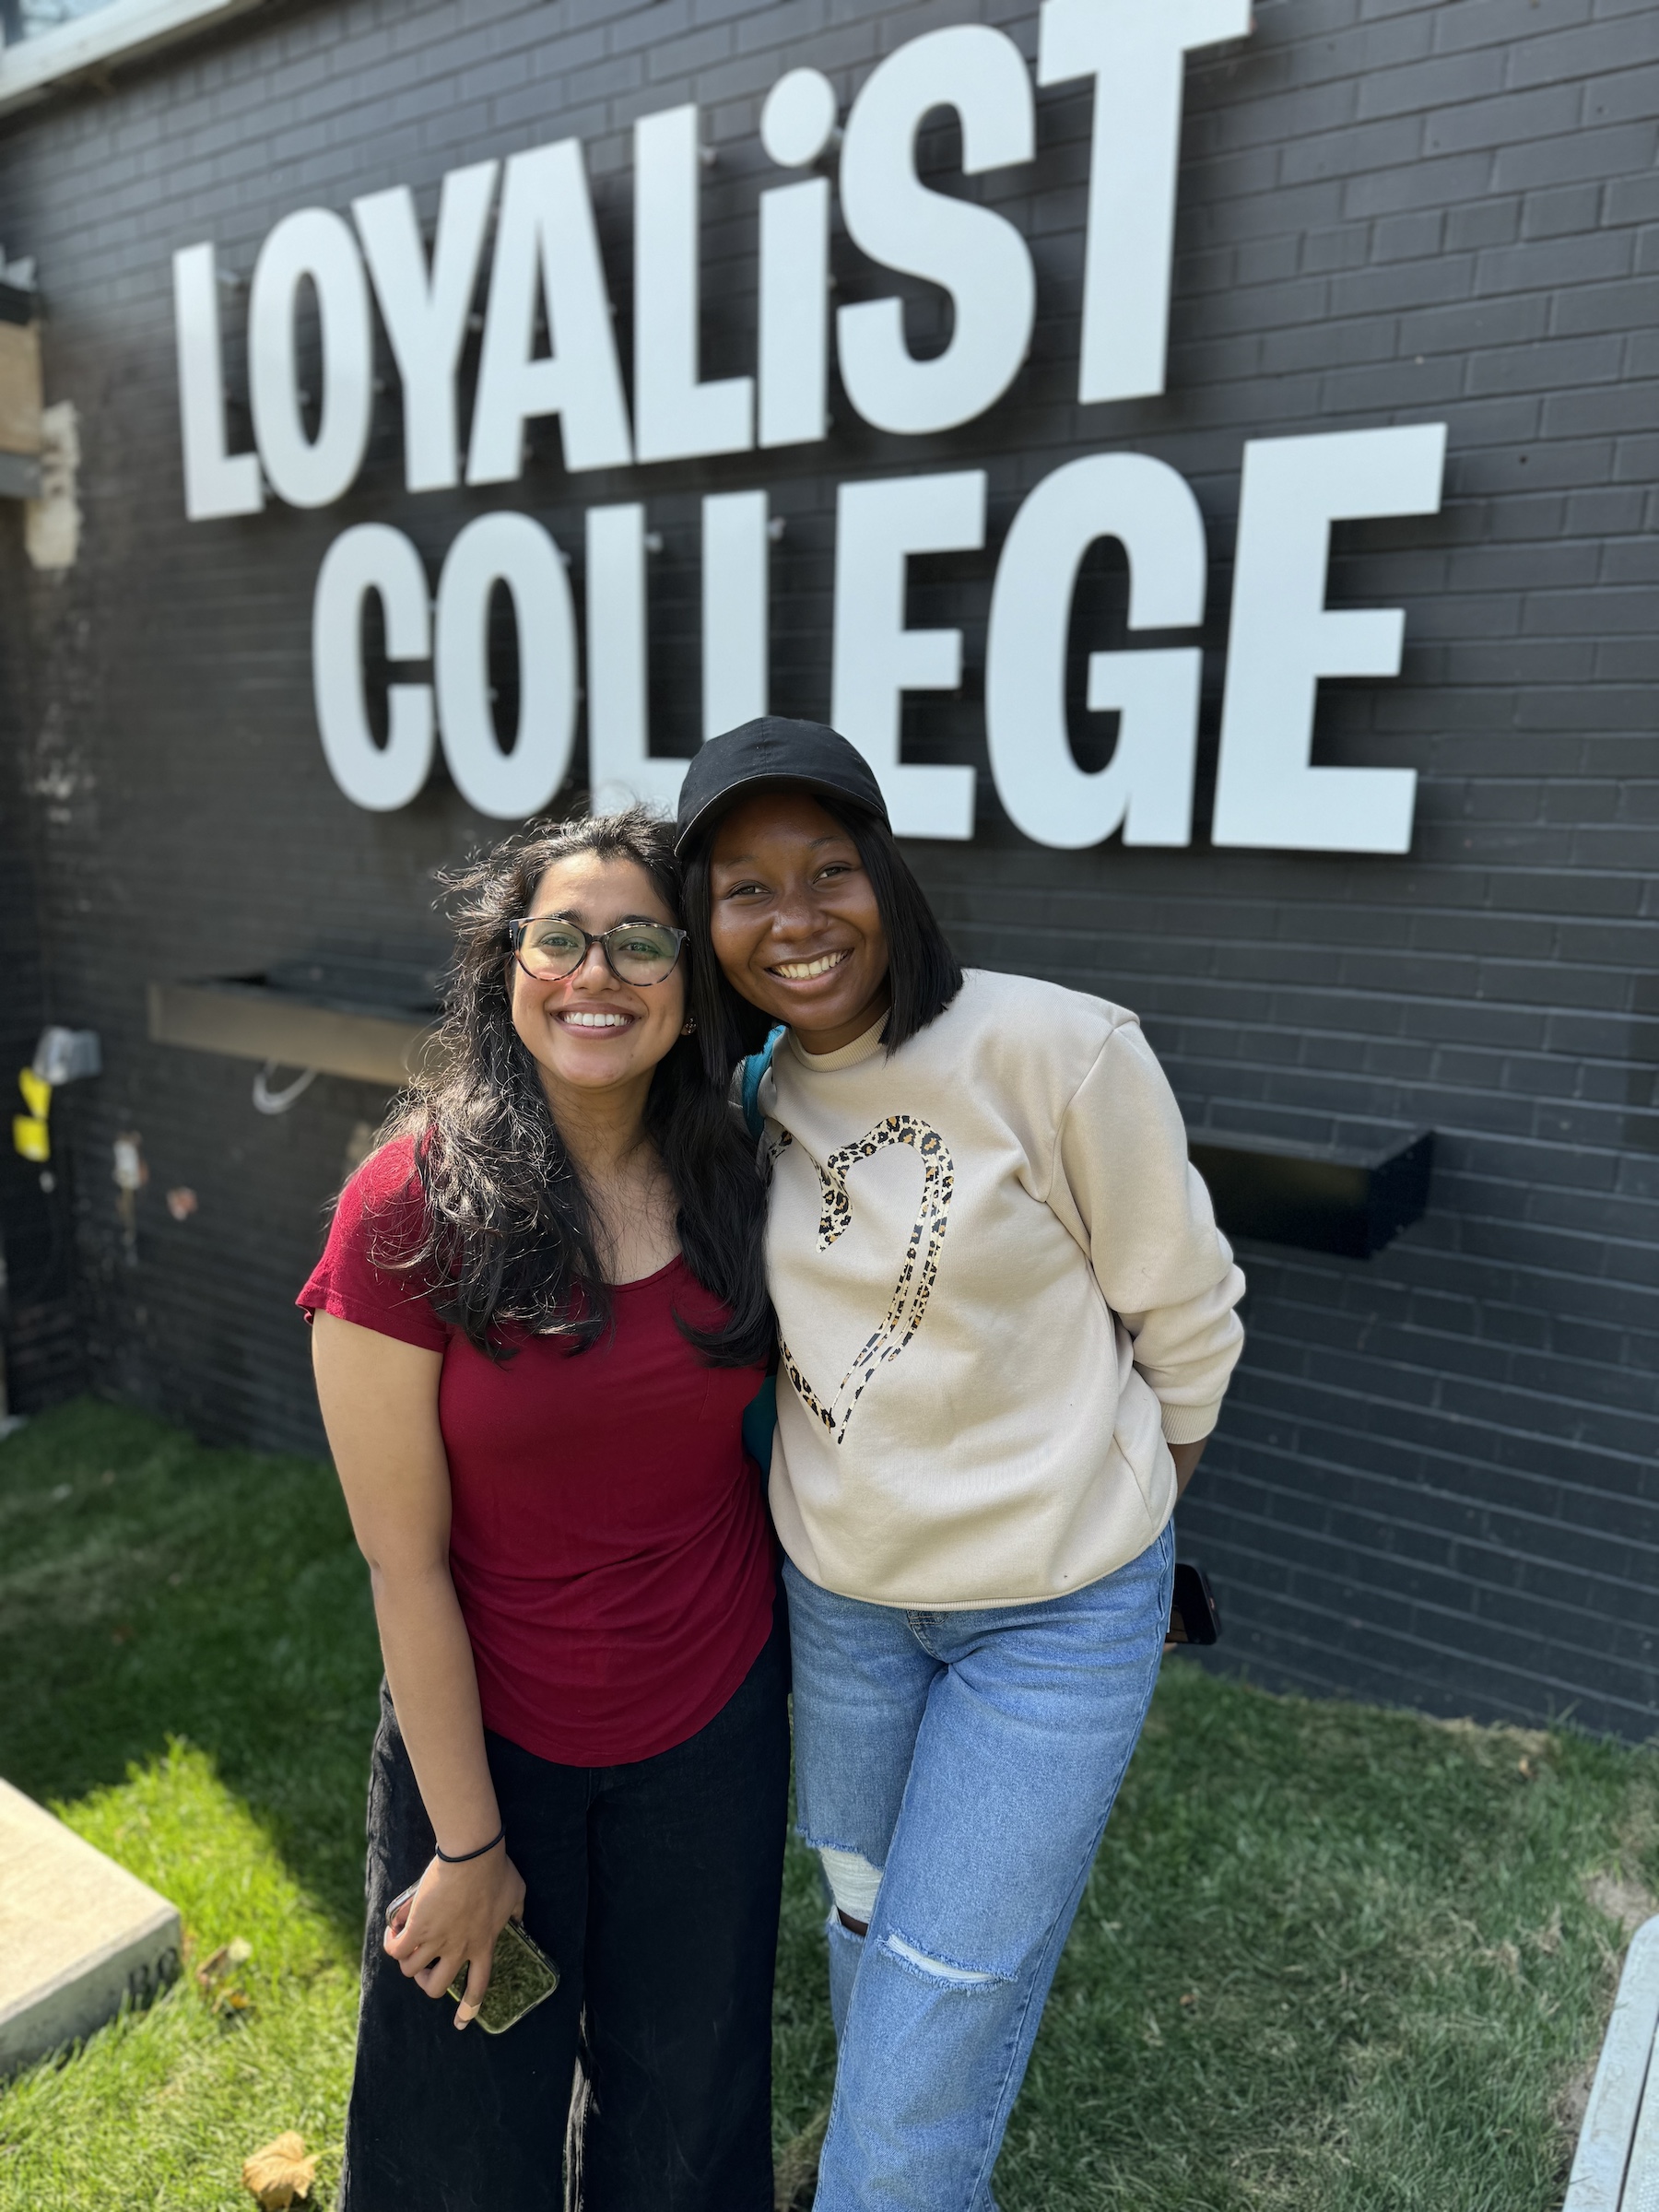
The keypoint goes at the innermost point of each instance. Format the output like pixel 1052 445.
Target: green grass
pixel 1332 1960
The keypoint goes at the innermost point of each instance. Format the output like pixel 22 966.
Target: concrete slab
pixel 1641 2178
pixel 1616 2167
pixel 77 1934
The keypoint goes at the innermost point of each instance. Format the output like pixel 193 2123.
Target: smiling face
pixel 590 1032
pixel 794 922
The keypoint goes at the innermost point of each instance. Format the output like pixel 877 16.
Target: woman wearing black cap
pixel 1008 1322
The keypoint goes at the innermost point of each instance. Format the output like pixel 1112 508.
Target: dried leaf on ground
pixel 218 1963
pixel 281 2174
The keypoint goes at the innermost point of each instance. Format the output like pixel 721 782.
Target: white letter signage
pixel 676 416
pixel 549 347
pixel 878 528
pixel 1284 638
pixel 622 771
pixel 546 250
pixel 215 482
pixel 518 781
pixel 735 609
pixel 976 254
pixel 1135 51
pixel 371 557
pixel 425 311
pixel 316 246
pixel 795 127
pixel 1147 787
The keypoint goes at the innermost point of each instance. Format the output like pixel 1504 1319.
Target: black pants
pixel 655 1889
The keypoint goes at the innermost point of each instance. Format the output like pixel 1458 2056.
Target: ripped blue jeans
pixel 957 1771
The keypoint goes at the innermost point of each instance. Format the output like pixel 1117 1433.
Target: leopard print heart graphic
pixel 914 1286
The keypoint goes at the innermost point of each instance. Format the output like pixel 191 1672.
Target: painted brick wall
pixel 42 1344
pixel 1436 1479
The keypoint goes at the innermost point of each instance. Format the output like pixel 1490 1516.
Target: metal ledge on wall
pixel 92 38
pixel 266 1017
pixel 1341 1198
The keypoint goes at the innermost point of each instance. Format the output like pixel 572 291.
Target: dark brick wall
pixel 38 1317
pixel 1435 1479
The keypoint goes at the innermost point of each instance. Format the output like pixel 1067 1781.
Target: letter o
pixel 315 244
pixel 511 549
pixel 371 557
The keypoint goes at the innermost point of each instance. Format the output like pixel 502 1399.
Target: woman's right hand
pixel 454 1917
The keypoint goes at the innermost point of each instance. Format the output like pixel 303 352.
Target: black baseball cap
pixel 772 753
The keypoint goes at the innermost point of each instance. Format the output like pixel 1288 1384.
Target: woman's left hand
pixel 1186 1458
pixel 453 1921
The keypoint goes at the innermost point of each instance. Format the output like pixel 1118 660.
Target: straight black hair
pixel 924 974
pixel 508 1233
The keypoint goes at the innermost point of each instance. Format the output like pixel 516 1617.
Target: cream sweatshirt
pixel 1002 1293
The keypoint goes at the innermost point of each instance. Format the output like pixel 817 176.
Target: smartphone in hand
pixel 521 1973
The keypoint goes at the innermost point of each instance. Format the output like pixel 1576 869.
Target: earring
pixel 690 1025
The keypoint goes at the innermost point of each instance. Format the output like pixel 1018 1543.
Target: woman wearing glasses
pixel 538 1322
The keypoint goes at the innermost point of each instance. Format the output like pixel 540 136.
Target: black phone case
pixel 1193 1615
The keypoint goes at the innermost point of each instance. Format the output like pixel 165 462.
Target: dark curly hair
pixel 507 1237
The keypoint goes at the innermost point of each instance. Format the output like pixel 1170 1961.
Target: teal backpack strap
pixel 754 1071
pixel 759 1419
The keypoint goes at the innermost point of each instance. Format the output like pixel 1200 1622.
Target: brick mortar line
pixel 1484 1423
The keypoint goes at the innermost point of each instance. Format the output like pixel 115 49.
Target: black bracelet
pixel 459 1858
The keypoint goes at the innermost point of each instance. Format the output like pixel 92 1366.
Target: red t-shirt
pixel 609 1544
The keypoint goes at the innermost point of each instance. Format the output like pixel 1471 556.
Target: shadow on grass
pixel 155 1590
pixel 152 1588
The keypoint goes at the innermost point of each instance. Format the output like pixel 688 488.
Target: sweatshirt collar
pixel 825 1064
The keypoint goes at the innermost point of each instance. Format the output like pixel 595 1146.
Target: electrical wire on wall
pixel 278 1101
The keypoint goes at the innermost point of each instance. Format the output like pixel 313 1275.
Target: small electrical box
pixel 65 1055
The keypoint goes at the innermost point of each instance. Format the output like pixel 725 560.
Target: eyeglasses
pixel 551 947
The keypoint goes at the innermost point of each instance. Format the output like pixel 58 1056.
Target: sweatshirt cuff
pixel 1189 1424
